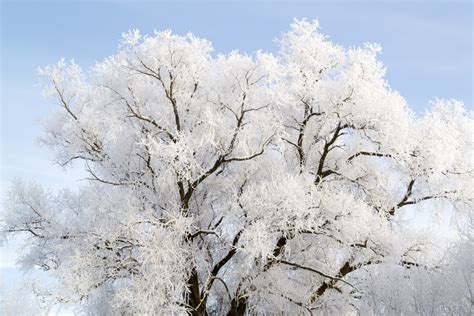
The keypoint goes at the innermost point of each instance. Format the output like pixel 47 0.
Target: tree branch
pixel 367 153
pixel 315 271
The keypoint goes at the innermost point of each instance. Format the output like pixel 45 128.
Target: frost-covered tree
pixel 19 300
pixel 443 289
pixel 241 184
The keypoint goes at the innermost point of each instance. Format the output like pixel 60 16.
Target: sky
pixel 427 49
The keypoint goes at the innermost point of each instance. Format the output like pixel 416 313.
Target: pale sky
pixel 427 49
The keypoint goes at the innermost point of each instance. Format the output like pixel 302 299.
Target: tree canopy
pixel 248 184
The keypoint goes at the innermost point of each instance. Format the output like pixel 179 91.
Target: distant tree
pixel 240 184
pixel 443 289
pixel 20 300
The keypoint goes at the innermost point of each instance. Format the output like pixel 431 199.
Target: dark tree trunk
pixel 194 297
pixel 238 306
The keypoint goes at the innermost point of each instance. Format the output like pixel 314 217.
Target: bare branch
pixel 368 153
pixel 203 232
pixel 315 271
pixel 63 100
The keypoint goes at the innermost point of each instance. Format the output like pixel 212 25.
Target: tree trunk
pixel 194 297
pixel 238 306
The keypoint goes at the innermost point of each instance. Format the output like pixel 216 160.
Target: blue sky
pixel 427 48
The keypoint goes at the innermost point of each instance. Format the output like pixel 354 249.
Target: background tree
pixel 240 183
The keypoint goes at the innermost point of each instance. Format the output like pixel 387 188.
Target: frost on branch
pixel 246 183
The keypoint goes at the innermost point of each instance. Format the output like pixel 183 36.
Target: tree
pixel 236 184
pixel 19 301
pixel 446 289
